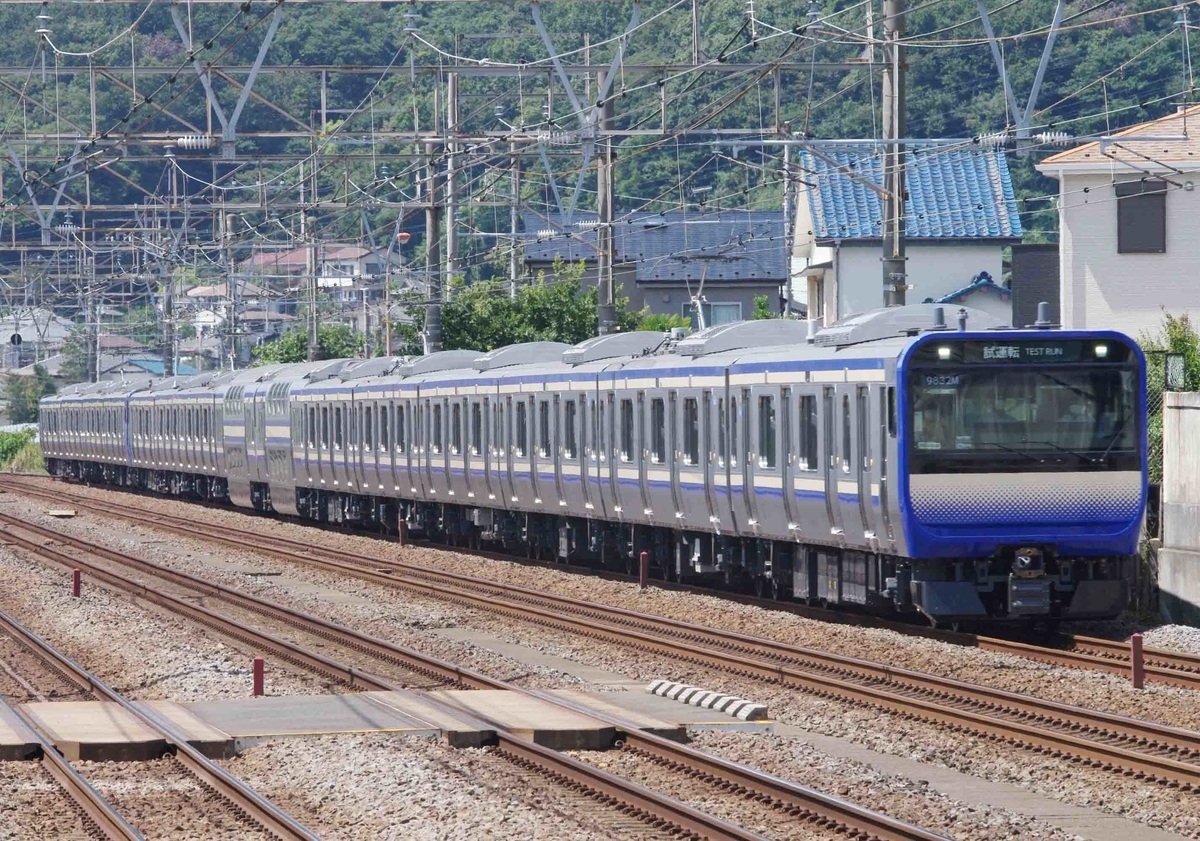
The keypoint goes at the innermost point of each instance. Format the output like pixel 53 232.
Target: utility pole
pixel 168 326
pixel 451 178
pixel 234 293
pixel 787 219
pixel 310 273
pixel 433 254
pixel 513 263
pixel 606 311
pixel 895 279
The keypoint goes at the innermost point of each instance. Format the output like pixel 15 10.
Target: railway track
pixel 654 807
pixel 1072 651
pixel 1143 749
pixel 101 817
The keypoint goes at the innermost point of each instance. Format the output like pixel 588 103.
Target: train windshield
pixel 1023 418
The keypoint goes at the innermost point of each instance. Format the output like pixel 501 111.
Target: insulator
pixel 587 224
pixel 995 139
pixel 193 142
pixel 1052 137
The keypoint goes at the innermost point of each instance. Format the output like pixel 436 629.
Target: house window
pixel 714 313
pixel 1142 217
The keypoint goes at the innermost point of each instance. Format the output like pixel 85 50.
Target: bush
pixel 12 443
pixel 28 459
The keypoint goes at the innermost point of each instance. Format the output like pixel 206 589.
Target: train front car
pixel 1023 473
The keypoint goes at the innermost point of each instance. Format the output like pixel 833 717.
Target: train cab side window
pixel 845 433
pixel 570 441
pixel 891 410
pixel 691 431
pixel 436 428
pixel 658 431
pixel 626 430
pixel 522 442
pixel 807 455
pixel 766 431
pixel 456 428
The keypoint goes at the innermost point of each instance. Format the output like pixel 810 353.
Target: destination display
pixel 1023 352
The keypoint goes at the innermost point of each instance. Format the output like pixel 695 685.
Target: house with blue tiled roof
pixel 662 260
pixel 960 214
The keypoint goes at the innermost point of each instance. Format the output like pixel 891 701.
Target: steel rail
pixel 99 816
pixel 819 808
pixel 990 712
pixel 1078 652
pixel 246 801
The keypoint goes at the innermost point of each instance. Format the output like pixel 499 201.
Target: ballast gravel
pixel 33 807
pixel 386 787
pixel 137 650
pixel 1181 638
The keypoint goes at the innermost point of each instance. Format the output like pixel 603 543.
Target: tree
pixel 21 394
pixel 762 308
pixel 75 356
pixel 663 322
pixel 334 341
pixel 1177 335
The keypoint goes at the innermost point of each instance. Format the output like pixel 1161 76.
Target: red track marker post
pixel 258 677
pixel 643 569
pixel 401 531
pixel 1135 661
pixel 75 583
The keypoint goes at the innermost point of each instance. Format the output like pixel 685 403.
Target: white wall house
pixel 1129 226
pixel 960 214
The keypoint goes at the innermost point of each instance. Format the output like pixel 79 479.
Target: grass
pixel 28 459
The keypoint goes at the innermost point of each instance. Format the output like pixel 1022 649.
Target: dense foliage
pixel 21 395
pixel 334 341
pixel 1114 64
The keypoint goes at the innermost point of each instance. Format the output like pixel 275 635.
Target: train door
pixel 832 461
pixel 712 451
pixel 674 457
pixel 639 452
pixel 492 444
pixel 887 432
pixel 864 461
pixel 741 458
pixel 787 461
pixel 509 448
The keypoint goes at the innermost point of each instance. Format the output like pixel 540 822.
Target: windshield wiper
pixel 1029 456
pixel 1116 434
pixel 1060 448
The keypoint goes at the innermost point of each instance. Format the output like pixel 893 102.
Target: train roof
pixel 879 335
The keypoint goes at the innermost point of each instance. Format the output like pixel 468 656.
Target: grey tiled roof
pixel 673 247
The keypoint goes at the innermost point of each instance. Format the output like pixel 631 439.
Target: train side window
pixel 385 428
pixel 436 429
pixel 522 437
pixel 626 430
pixel 808 432
pixel 891 410
pixel 325 439
pixel 339 429
pixel 476 428
pixel 603 433
pixel 691 431
pixel 544 429
pixel 722 427
pixel 368 437
pixel 846 433
pixel 456 428
pixel 658 431
pixel 401 428
pixel 766 431
pixel 733 431
pixel 498 427
pixel 570 441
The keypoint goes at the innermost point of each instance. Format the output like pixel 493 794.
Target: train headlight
pixel 1101 351
pixel 943 352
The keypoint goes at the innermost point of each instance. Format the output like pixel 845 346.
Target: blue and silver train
pixel 888 462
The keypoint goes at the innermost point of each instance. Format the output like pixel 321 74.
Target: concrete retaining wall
pixel 1179 557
